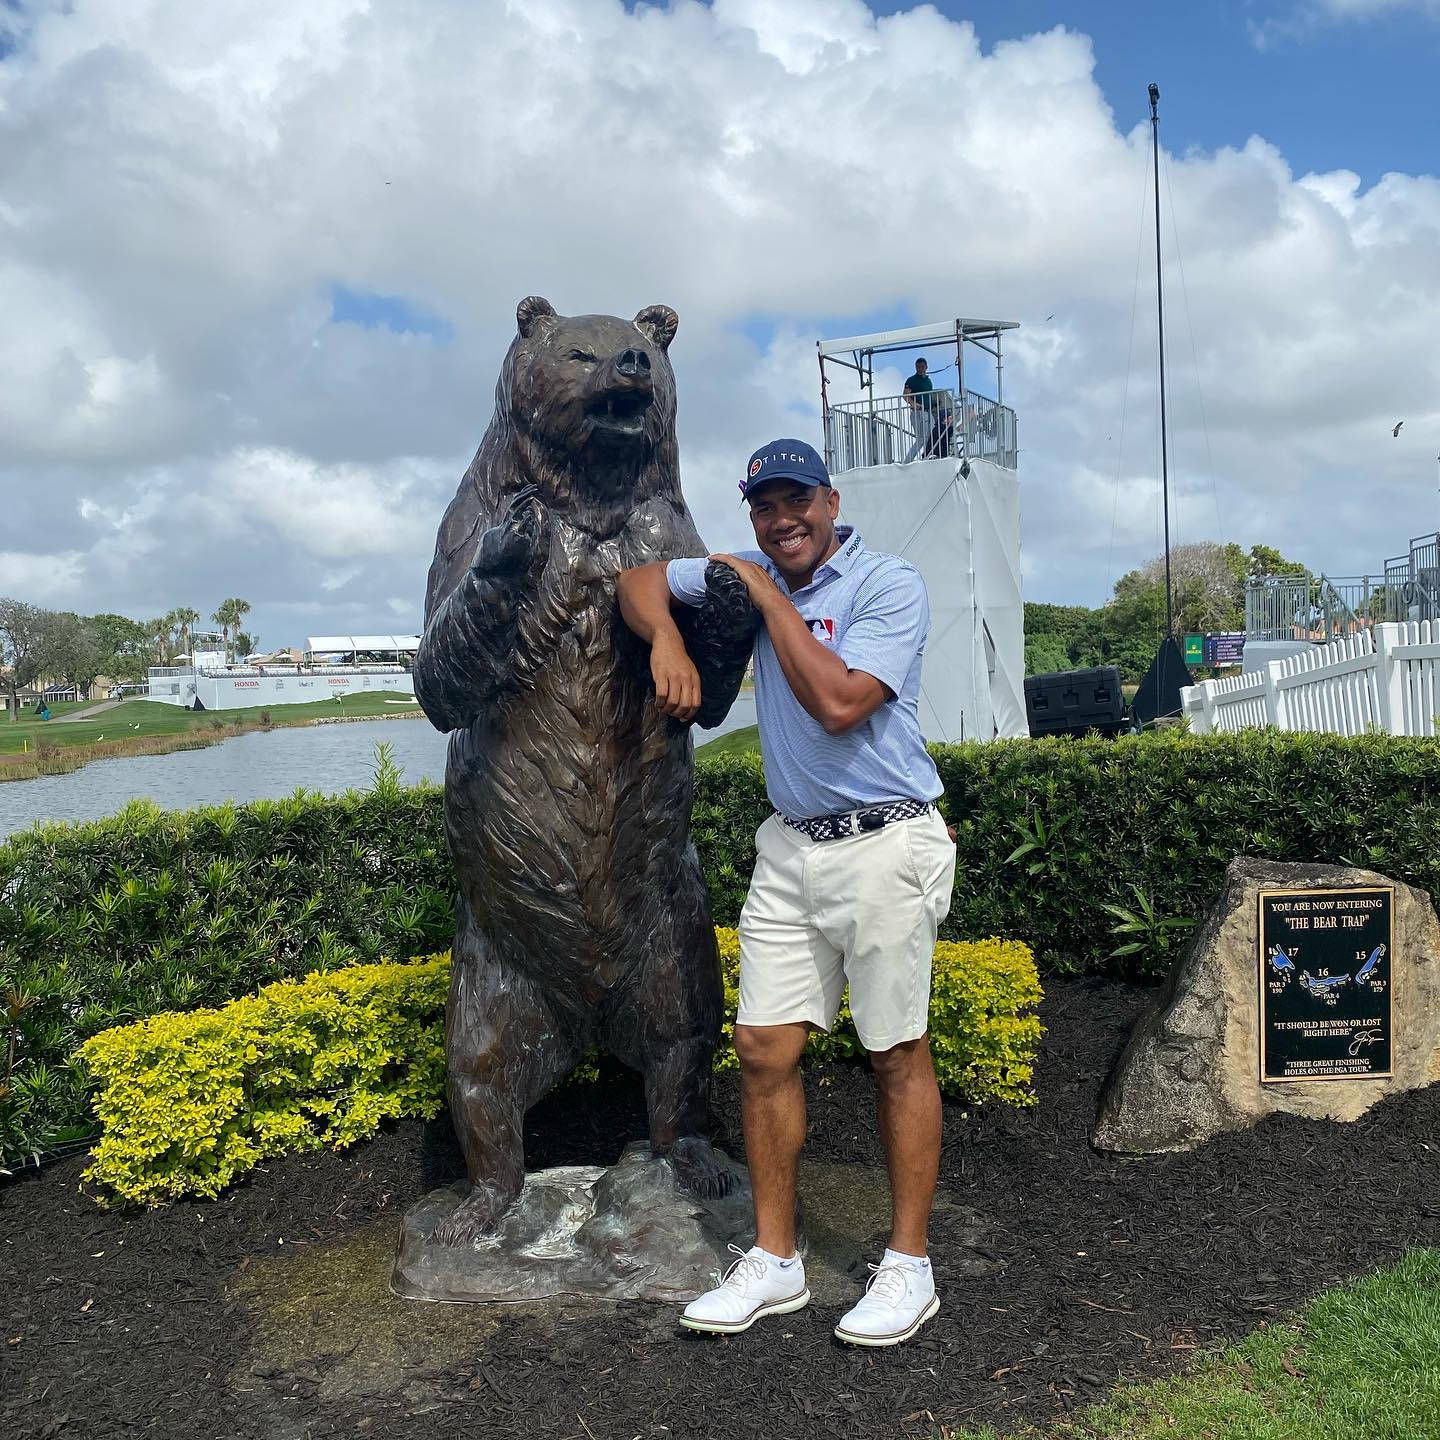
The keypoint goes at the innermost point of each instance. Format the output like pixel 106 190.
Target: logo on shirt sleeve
pixel 823 630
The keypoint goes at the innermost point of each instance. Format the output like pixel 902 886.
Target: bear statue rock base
pixel 630 1232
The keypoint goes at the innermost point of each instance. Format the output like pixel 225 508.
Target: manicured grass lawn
pixel 1361 1362
pixel 60 707
pixel 135 718
pixel 745 741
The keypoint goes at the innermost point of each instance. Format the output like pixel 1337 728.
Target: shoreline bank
pixel 66 759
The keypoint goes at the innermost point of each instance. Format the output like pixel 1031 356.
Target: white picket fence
pixel 1384 679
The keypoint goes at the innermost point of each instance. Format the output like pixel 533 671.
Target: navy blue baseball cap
pixel 784 460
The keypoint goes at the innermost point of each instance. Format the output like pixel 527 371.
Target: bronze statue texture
pixel 582 916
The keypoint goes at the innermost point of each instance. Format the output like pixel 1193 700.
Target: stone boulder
pixel 1192 1067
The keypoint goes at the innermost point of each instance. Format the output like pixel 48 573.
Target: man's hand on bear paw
pixel 728 590
pixel 519 540
pixel 763 590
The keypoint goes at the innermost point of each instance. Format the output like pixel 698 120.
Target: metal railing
pixel 1323 607
pixel 896 429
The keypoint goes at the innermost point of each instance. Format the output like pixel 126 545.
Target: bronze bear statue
pixel 582 915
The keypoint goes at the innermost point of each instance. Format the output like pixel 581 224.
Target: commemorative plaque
pixel 1325 969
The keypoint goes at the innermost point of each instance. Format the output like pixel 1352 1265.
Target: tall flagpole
pixel 1160 320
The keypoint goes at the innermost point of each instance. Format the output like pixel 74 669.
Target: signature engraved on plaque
pixel 1324 976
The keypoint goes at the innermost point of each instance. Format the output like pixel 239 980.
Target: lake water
pixel 259 766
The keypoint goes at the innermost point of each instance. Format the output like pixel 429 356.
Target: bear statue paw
pixel 700 1170
pixel 727 613
pixel 476 1216
pixel 519 540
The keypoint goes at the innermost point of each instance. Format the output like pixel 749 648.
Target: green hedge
pixel 1146 824
pixel 152 911
pixel 190 1102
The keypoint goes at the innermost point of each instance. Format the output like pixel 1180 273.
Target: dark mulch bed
pixel 117 1324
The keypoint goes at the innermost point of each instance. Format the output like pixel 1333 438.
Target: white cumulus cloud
pixel 185 187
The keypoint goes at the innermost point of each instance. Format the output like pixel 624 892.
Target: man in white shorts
pixel 852 876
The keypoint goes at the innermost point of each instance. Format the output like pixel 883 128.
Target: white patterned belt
pixel 858 822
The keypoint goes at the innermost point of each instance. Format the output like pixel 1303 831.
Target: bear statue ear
pixel 531 311
pixel 659 322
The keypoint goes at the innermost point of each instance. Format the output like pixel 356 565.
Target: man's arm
pixel 645 604
pixel 833 694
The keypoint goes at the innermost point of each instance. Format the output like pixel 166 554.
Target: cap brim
pixel 809 480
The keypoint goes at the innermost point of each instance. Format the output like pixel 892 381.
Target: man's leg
pixel 769 1278
pixel 791 980
pixel 908 1101
pixel 772 1114
pixel 887 894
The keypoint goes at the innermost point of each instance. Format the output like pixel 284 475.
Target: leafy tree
pixel 1208 586
pixel 1044 653
pixel 1134 621
pixel 124 646
pixel 24 635
pixel 74 650
pixel 1265 560
pixel 1079 629
pixel 245 645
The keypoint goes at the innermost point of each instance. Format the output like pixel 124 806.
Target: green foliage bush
pixel 150 910
pixel 189 1102
pixel 154 910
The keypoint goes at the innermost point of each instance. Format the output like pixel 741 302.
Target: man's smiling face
pixel 795 526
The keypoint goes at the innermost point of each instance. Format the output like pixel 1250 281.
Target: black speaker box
pixel 1075 702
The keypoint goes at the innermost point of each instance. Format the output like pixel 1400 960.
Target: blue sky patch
pixel 1355 93
pixel 385 312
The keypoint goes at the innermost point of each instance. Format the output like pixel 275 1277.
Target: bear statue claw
pixel 699 1169
pixel 512 546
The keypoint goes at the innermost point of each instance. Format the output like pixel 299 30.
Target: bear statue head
pixel 591 401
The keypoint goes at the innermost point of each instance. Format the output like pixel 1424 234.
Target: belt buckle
pixel 866 820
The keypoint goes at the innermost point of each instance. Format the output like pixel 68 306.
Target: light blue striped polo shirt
pixel 873 610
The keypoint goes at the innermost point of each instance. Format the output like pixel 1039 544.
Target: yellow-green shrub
pixel 190 1101
pixel 983 1029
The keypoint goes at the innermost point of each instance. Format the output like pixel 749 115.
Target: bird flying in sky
pixel 1395 433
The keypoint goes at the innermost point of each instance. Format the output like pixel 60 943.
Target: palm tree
pixel 157 634
pixel 184 617
pixel 230 613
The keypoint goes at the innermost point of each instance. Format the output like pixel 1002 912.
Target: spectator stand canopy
pixel 935 481
pixel 362 649
pixel 983 335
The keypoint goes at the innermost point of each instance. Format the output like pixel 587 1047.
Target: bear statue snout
pixel 627 373
pixel 633 362
pixel 623 391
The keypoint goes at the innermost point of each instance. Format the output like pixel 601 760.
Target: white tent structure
pixel 939 486
pixel 962 533
pixel 394 648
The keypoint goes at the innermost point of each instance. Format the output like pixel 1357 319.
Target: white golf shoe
pixel 899 1298
pixel 755 1285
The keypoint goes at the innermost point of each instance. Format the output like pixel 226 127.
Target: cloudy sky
pixel 259 264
